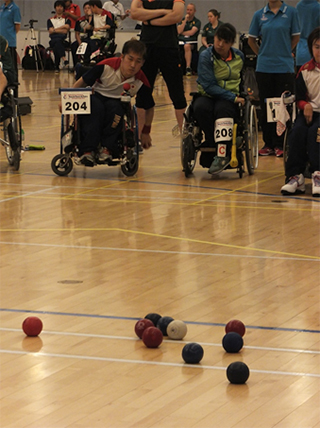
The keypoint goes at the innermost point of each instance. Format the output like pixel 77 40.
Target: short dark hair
pixel 87 3
pixel 97 3
pixel 313 36
pixel 136 46
pixel 59 3
pixel 215 13
pixel 226 32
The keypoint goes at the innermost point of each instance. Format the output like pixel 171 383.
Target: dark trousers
pixel 167 61
pixel 272 85
pixel 303 146
pixel 57 45
pixel 207 111
pixel 103 126
pixel 75 57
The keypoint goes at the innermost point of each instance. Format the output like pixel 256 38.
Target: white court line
pixel 180 253
pixel 153 363
pixel 105 336
pixel 27 194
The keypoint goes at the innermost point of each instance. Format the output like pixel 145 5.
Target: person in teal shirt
pixel 278 26
pixel 188 31
pixel 10 22
pixel 309 16
pixel 209 30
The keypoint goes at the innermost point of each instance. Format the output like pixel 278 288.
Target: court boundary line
pixel 153 363
pixel 172 341
pixel 123 318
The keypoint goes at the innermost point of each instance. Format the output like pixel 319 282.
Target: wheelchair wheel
pixel 131 167
pixel 184 134
pixel 189 155
pixel 12 134
pixel 251 138
pixel 61 165
pixel 285 148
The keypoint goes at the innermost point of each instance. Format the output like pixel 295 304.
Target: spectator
pixel 104 124
pixel 309 16
pixel 210 29
pixel 219 77
pixel 7 70
pixel 10 22
pixel 58 28
pixel 159 33
pixel 101 23
pixel 82 33
pixel 188 30
pixel 117 10
pixel 72 11
pixel 304 139
pixel 278 26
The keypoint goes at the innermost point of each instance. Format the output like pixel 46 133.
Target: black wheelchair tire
pixel 61 165
pixel 251 138
pixel 285 148
pixel 131 167
pixel 189 156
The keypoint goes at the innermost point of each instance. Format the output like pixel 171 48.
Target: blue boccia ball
pixel 232 342
pixel 238 373
pixel 192 353
pixel 163 323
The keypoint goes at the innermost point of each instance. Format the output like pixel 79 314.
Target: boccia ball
pixel 141 325
pixel 177 329
pixel 192 353
pixel 32 326
pixel 152 337
pixel 163 323
pixel 236 326
pixel 154 318
pixel 238 372
pixel 232 342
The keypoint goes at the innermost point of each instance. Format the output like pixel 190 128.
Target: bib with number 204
pixel 76 100
pixel 223 129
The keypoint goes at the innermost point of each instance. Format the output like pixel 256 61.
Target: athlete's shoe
pixel 87 159
pixel 218 164
pixel 104 154
pixel 294 185
pixel 316 184
pixel 188 71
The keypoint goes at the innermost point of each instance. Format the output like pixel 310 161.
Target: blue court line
pixel 114 317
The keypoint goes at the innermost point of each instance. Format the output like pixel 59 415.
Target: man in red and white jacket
pixel 304 139
pixel 103 126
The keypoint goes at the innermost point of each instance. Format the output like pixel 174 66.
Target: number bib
pixel 76 100
pixel 223 129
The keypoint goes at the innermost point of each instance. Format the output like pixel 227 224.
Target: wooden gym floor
pixel 93 252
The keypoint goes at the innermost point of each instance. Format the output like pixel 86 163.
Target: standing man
pixel 72 11
pixel 159 33
pixel 188 30
pixel 117 10
pixel 10 22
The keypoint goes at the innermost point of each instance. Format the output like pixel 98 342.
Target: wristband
pixel 146 129
pixel 149 22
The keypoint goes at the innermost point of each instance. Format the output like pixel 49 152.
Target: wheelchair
pixel 245 140
pixel 10 118
pixel 128 143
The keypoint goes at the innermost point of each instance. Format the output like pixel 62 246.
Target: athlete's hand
pixel 146 141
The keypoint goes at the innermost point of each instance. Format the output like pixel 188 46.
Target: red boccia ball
pixel 235 326
pixel 32 326
pixel 141 325
pixel 152 337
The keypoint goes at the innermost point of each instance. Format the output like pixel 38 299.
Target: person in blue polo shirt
pixel 309 16
pixel 10 22
pixel 278 26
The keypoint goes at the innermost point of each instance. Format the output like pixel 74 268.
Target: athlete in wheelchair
pixel 109 135
pixel 9 110
pixel 214 111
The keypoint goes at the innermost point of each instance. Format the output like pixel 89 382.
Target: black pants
pixel 58 47
pixel 103 126
pixel 272 85
pixel 167 61
pixel 303 146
